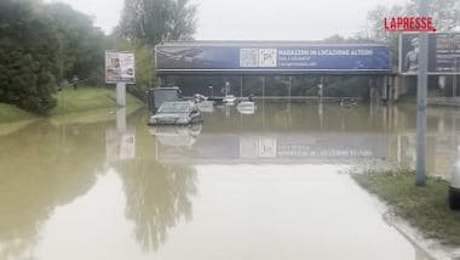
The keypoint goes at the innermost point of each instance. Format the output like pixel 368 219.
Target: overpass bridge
pixel 242 59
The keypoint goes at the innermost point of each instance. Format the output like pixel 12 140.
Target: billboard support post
pixel 121 94
pixel 421 101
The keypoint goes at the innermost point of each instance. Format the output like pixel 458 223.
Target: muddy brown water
pixel 263 184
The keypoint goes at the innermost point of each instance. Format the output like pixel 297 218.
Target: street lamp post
pixel 211 87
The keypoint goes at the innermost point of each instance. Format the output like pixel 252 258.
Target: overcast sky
pixel 257 19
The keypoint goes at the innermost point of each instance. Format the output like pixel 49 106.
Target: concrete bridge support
pixel 396 87
pixel 387 89
pixel 380 90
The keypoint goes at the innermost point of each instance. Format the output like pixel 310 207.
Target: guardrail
pixel 444 101
pixel 290 98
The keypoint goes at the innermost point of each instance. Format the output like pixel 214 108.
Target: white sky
pixel 257 19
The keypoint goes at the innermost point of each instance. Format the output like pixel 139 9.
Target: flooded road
pixel 262 185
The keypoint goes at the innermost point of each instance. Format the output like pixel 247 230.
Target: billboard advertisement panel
pixel 264 57
pixel 443 53
pixel 119 67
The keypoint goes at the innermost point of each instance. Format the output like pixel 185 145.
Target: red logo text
pixel 409 23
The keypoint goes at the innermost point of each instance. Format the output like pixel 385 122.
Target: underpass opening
pixel 275 86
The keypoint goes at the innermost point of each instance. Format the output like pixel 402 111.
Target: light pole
pixel 320 90
pixel 211 87
pixel 420 179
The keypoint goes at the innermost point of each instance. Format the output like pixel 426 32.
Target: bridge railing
pixel 443 101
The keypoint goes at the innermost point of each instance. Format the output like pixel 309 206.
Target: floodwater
pixel 263 184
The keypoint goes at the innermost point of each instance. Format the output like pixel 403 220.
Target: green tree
pixel 29 50
pixel 41 44
pixel 153 21
pixel 82 44
pixel 182 22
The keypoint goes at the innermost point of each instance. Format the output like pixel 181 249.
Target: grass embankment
pixel 10 113
pixel 425 208
pixel 88 105
pixel 88 99
pixel 82 102
pixel 13 118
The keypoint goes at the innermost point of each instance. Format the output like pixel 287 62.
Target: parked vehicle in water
pixel 199 98
pixel 176 113
pixel 229 99
pixel 206 106
pixel 157 96
pixel 348 102
pixel 246 107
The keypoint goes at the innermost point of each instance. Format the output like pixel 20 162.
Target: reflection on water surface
pixel 261 185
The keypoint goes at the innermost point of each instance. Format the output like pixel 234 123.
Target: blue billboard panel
pixel 272 58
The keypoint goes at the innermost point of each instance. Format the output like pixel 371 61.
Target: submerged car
pixel 176 113
pixel 199 98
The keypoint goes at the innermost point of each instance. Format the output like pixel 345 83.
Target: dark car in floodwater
pixel 156 97
pixel 176 113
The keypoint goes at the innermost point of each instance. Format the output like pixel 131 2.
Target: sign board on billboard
pixel 269 57
pixel 443 53
pixel 119 67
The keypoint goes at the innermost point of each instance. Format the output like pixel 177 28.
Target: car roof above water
pixel 177 104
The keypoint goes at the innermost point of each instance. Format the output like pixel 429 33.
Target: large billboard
pixel 119 67
pixel 443 53
pixel 246 57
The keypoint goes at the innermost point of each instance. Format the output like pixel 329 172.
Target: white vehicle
pixel 198 98
pixel 206 106
pixel 246 107
pixel 229 99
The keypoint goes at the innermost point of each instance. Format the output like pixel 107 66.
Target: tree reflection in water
pixel 158 198
pixel 43 167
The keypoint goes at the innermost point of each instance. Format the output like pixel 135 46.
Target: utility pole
pixel 421 101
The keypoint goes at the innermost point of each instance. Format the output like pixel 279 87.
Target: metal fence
pixel 444 101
